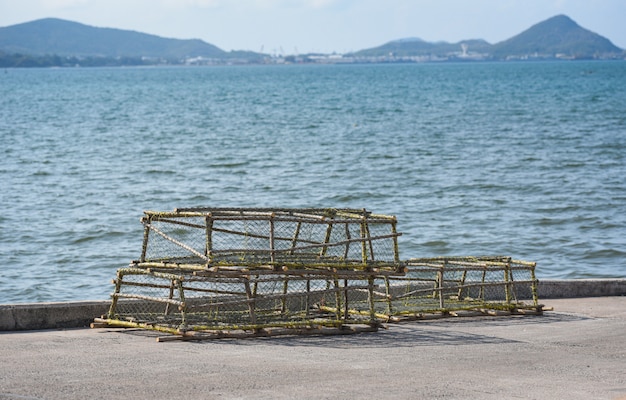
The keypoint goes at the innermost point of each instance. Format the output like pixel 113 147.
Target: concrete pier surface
pixel 576 351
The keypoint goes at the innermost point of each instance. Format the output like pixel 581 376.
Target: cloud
pixel 257 4
pixel 191 3
pixel 293 3
pixel 320 3
pixel 61 4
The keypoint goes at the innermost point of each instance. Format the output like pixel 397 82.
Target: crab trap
pixel 444 286
pixel 217 272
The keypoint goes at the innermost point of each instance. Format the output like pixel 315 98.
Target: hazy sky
pixel 302 26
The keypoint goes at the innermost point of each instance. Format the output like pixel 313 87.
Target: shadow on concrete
pixel 406 334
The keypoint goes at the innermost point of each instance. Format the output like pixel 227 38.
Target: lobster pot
pixel 278 238
pixel 177 301
pixel 445 284
pixel 249 271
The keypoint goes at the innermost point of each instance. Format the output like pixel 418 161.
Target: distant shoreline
pixel 30 62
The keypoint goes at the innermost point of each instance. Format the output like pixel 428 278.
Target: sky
pixel 324 26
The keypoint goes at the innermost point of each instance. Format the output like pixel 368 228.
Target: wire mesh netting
pixel 445 284
pixel 179 301
pixel 264 237
pixel 216 270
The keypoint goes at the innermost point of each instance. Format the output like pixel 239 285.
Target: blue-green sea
pixel 525 159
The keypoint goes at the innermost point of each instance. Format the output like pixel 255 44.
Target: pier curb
pixel 33 316
pixel 562 289
pixel 74 314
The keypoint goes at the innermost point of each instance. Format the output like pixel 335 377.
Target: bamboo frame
pixel 243 272
pixel 298 246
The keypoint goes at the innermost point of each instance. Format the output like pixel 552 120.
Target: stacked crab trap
pixel 237 272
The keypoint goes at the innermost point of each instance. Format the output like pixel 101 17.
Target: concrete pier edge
pixel 74 314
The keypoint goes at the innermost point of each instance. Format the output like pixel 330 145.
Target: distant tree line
pixel 29 61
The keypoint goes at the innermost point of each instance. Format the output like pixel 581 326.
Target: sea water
pixel 523 159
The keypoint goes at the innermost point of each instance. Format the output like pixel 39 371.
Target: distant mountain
pixel 414 47
pixel 557 37
pixel 55 42
pixel 65 38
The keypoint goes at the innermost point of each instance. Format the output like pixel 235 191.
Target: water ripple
pixel 469 159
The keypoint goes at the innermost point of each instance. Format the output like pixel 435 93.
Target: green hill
pixel 556 37
pixel 64 38
pixel 414 47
